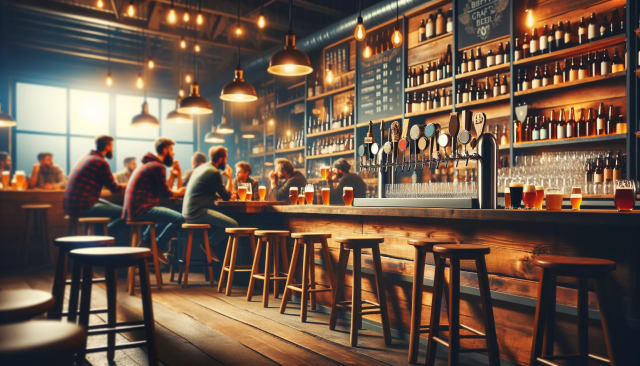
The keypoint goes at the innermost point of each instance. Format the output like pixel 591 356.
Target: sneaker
pixel 162 258
pixel 214 257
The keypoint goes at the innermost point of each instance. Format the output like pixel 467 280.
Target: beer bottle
pixel 496 133
pixel 537 79
pixel 499 55
pixel 623 19
pixel 496 86
pixel 416 103
pixel 459 94
pixel 519 80
pixel 517 131
pixel 566 71
pixel 433 74
pixel 448 99
pixel 594 66
pixel 443 98
pixel 592 32
pixel 486 93
pixel 441 23
pixel 525 46
pixel 450 20
pixel 535 133
pixel 471 64
pixel 448 63
pixel 581 125
pixel 526 130
pixel 608 167
pixel 409 78
pixel 624 166
pixel 504 87
pixel 504 139
pixel 420 76
pixel 582 32
pixel 560 36
pixel 557 74
pixel 439 69
pixel 561 127
pixel 544 40
pixel 571 124
pixel 526 82
pixel 583 69
pixel 617 169
pixel 601 121
pixel 408 104
pixel 598 174
pixel 422 31
pixel 605 30
pixel 551 40
pixel 517 52
pixel 573 72
pixel 463 64
pixel 506 57
pixel 621 125
pixel 588 170
pixel 544 129
pixel 546 76
pixel 616 22
pixel 436 99
pixel 617 65
pixel 568 35
pixel 590 127
pixel 471 91
pixel 611 122
pixel 534 44
pixel 430 27
pixel 426 78
pixel 491 58
pixel 553 126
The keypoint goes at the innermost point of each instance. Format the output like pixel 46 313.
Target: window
pixel 29 145
pixel 182 153
pixel 179 132
pixel 81 146
pixel 41 108
pixel 88 113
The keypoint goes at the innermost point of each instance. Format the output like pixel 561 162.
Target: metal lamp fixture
pixel 360 32
pixel 213 137
pixel 172 17
pixel 194 103
pixel 396 37
pixel 5 119
pixel 290 61
pixel 177 117
pixel 144 118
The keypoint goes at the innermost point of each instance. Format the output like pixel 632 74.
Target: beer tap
pixel 443 141
pixel 404 144
pixel 416 135
pixel 372 147
pixel 387 147
pixel 464 137
pixel 423 143
pixel 431 132
pixel 454 127
pixel 394 132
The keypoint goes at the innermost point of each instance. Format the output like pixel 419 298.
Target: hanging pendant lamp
pixel 396 37
pixel 238 90
pixel 360 31
pixel 290 61
pixel 5 119
pixel 224 127
pixel 177 117
pixel 194 103
pixel 144 119
pixel 213 137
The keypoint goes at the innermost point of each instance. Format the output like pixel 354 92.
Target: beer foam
pixel 529 188
pixel 539 188
pixel 262 187
pixel 576 195
pixel 506 190
pixel 293 189
pixel 348 188
pixel 516 185
pixel 325 189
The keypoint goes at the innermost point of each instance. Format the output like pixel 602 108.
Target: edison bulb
pixel 183 43
pixel 367 51
pixel 396 38
pixel 261 21
pixel 181 92
pixel 109 80
pixel 172 18
pixel 100 4
pixel 186 17
pixel 288 133
pixel 530 18
pixel 360 32
pixel 188 79
pixel 199 19
pixel 197 48
pixel 151 64
pixel 131 10
pixel 139 82
pixel 329 75
pixel 238 31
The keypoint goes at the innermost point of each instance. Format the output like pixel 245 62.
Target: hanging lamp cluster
pixel 290 61
pixel 213 137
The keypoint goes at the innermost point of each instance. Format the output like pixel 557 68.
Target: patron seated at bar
pixel 5 166
pixel 341 174
pixel 123 176
pixel 91 173
pixel 46 174
pixel 283 178
pixel 148 183
pixel 243 172
pixel 205 187
pixel 197 159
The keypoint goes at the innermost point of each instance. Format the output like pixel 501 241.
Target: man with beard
pixel 283 178
pixel 341 174
pixel 91 173
pixel 122 177
pixel 197 159
pixel 46 174
pixel 147 184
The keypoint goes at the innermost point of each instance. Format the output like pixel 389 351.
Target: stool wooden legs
pixel 147 309
pixel 111 278
pixel 419 262
pixel 275 246
pixel 267 274
pixel 186 259
pixel 382 296
pixel 59 283
pixel 487 309
pixel 136 236
pixel 343 261
pixel 37 224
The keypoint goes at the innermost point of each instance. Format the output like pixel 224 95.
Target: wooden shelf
pixel 431 85
pixel 341 129
pixel 504 147
pixel 348 152
pixel 296 85
pixel 580 140
pixel 377 121
pixel 290 102
pixel 428 41
pixel 299 148
pixel 571 83
pixel 483 72
pixel 484 101
pixel 447 108
pixel 332 92
pixel 573 51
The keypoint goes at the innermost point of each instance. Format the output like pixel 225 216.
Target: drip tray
pixel 417 202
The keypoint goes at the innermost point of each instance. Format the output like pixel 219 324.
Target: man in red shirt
pixel 147 184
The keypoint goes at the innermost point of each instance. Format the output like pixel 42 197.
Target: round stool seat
pixel 94 220
pixel 462 251
pixel 78 242
pixel 118 256
pixel 359 241
pixel 272 233
pixel 578 266
pixel 40 342
pixel 20 305
pixel 35 207
pixel 430 242
pixel 240 230
pixel 196 226
pixel 310 235
pixel 141 223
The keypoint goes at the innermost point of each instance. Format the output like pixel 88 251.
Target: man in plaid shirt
pixel 147 184
pixel 90 174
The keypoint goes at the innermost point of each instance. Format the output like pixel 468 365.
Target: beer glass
pixel 242 191
pixel 539 197
pixel 324 172
pixel 6 181
pixel 301 197
pixel 529 196
pixel 20 180
pixel 293 195
pixel 516 194
pixel 262 192
pixel 624 195
pixel 554 199
pixel 308 194
pixel 249 191
pixel 507 198
pixel 576 198
pixel 347 196
pixel 326 196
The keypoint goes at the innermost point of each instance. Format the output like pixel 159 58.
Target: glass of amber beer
pixel 242 191
pixel 301 196
pixel 576 198
pixel 539 197
pixel 624 195
pixel 249 191
pixel 326 196
pixel 293 195
pixel 529 196
pixel 507 198
pixel 262 192
pixel 308 194
pixel 324 172
pixel 20 178
pixel 347 196
pixel 515 189
pixel 6 181
pixel 554 199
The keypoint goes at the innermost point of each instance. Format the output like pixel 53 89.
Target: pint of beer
pixel 242 192
pixel 529 196
pixel 20 179
pixel 308 194
pixel 516 194
pixel 539 197
pixel 347 196
pixel 324 172
pixel 262 192
pixel 507 198
pixel 554 199
pixel 624 196
pixel 249 196
pixel 6 181
pixel 326 196
pixel 293 195
pixel 576 198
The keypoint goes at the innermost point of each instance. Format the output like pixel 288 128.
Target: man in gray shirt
pixel 197 159
pixel 341 174
pixel 46 174
pixel 283 178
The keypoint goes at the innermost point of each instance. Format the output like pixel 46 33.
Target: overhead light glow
pixel 248 136
pixel 530 18
pixel 186 17
pixel 238 31
pixel 140 82
pixel 197 47
pixel 360 32
pixel 367 51
pixel 187 79
pixel 200 19
pixel 151 64
pixel 396 38
pixel 100 4
pixel 181 92
pixel 261 21
pixel 131 10
pixel 172 18
pixel 183 43
pixel 329 75
pixel 109 80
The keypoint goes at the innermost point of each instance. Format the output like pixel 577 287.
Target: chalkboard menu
pixel 380 86
pixel 480 20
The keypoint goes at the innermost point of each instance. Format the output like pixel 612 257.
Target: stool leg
pixel 184 259
pixel 550 322
pixel 487 308
pixel 583 322
pixel 252 240
pixel 147 310
pixel 110 275
pixel 285 259
pixel 436 303
pixel 305 282
pixel 156 264
pixel 542 308
pixel 232 264
pixel 454 310
pixel 356 296
pixel 338 293
pixel 612 322
pixel 187 259
pixel 267 274
pixel 327 261
pixel 105 229
pixel 27 239
pixel 225 263
pixel 47 240
pixel 59 284
pixel 275 249
pixel 382 296
pixel 287 290
pixel 209 260
pixel 419 262
pixel 135 235
pixel 85 305
pixel 254 269
pixel 312 275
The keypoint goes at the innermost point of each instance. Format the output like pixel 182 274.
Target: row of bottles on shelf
pixel 556 38
pixel 316 124
pixel 422 102
pixel 378 44
pixel 291 141
pixel 471 92
pixel 330 145
pixel 436 25
pixel 593 64
pixel 337 59
pixel 540 128
pixel 606 168
pixel 287 93
pixel 501 134
pixel 477 61
pixel 436 70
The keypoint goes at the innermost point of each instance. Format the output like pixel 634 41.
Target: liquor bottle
pixel 557 74
pixel 594 66
pixel 409 78
pixel 582 32
pixel 465 94
pixel 422 31
pixel 534 44
pixel 553 126
pixel 527 130
pixel 471 91
pixel 544 40
pixel 499 55
pixel 419 76
pixel 611 121
pixel 436 99
pixel 519 80
pixel 551 41
pixel 517 53
pixel 560 36
pixel 448 63
pixel 459 94
pixel 608 167
pixel 617 168
pixel 546 76
pixel 416 103
pixel 504 87
pixel 598 173
pixel 426 78
pixel 615 14
pixel 605 28
pixel 544 129
pixel 430 28
pixel 592 30
pixel 496 133
pixel 517 131
pixel 583 69
pixel 535 133
pixel 443 98
pixel 491 58
pixel 571 124
pixel 463 64
pixel 448 99
pixel 526 81
pixel 590 126
pixel 561 127
pixel 433 73
pixel 496 86
pixel 605 63
pixel 486 92
pixel 525 46
pixel 439 70
pixel 408 104
pixel 537 78
pixel 601 121
pixel 621 125
pixel 617 65
pixel 450 20
pixel 573 71
pixel 506 57
pixel 310 125
pixel 471 64
pixel 581 125
pixel 568 35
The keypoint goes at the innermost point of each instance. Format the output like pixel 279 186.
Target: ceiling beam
pixel 114 7
pixel 257 10
pixel 313 7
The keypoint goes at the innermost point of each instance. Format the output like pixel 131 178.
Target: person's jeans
pixel 107 209
pixel 218 222
pixel 169 222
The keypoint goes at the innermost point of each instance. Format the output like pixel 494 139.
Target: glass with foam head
pixel 293 195
pixel 624 195
pixel 539 197
pixel 507 198
pixel 576 198
pixel 347 196
pixel 262 192
pixel 516 190
pixel 326 196
pixel 20 178
pixel 308 193
pixel 529 196
pixel 249 191
pixel 6 181
pixel 301 196
pixel 553 199
pixel 242 191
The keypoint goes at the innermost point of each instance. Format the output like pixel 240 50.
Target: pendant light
pixel 360 32
pixel 144 119
pixel 199 17
pixel 329 75
pixel 5 119
pixel 367 50
pixel 396 37
pixel 224 128
pixel 261 19
pixel 109 80
pixel 183 43
pixel 172 18
pixel 194 103
pixel 290 61
pixel 177 117
pixel 131 10
pixel 238 90
pixel 213 137
pixel 100 4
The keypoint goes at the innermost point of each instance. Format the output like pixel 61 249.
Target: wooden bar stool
pixel 230 256
pixel 422 247
pixel 543 332
pixel 455 253
pixel 112 259
pixel 185 261
pixel 87 225
pixel 41 342
pixel 358 306
pixel 36 228
pixel 136 240
pixel 276 244
pixel 308 286
pixel 65 245
pixel 21 305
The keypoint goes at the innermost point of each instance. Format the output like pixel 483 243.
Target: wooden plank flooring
pixel 198 326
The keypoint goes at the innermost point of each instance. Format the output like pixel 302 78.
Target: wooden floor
pixel 199 326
